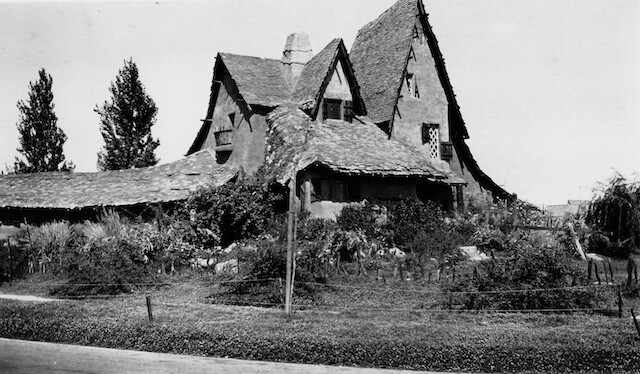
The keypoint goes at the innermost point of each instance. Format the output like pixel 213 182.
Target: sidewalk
pixel 25 357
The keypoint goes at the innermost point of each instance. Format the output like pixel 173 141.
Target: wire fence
pixel 338 298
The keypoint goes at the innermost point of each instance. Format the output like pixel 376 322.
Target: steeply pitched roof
pixel 163 183
pixel 380 53
pixel 259 80
pixel 317 73
pixel 294 142
pixel 379 56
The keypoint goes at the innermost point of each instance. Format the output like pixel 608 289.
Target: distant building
pixel 571 208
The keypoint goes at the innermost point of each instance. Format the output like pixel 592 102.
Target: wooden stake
pixel 619 301
pixel 635 322
pixel 576 241
pixel 149 309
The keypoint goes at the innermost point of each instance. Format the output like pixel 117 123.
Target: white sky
pixel 550 90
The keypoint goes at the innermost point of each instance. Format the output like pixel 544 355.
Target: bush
pixel 527 267
pixel 266 267
pixel 240 209
pixel 13 262
pixel 106 267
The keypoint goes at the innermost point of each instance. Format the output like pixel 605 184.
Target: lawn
pixel 378 327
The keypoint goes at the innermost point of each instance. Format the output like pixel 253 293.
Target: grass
pixel 351 333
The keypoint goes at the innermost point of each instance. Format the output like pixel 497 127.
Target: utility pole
pixel 290 236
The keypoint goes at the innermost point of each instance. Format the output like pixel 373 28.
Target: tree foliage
pixel 41 140
pixel 125 123
pixel 616 209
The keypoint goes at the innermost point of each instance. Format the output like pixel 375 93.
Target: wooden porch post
pixel 290 235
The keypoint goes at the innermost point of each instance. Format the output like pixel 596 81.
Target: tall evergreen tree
pixel 41 139
pixel 125 123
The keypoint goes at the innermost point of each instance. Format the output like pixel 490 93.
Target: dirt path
pixel 26 357
pixel 25 298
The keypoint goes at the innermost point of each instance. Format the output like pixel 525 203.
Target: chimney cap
pixel 298 41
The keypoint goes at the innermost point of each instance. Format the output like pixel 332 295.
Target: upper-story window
pixel 337 109
pixel 412 85
pixel 431 137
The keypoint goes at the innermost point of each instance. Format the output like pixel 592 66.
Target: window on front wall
pixel 412 86
pixel 338 109
pixel 431 138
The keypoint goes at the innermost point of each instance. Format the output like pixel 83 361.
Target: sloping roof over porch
pixel 294 142
pixel 63 190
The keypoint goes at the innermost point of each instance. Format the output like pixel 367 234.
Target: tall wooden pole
pixel 290 233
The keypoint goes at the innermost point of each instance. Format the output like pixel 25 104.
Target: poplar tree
pixel 41 140
pixel 125 123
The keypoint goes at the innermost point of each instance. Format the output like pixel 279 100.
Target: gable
pixel 331 70
pixel 338 87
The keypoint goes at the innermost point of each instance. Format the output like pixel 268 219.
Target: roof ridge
pixel 250 56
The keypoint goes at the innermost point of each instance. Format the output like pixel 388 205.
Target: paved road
pixel 26 357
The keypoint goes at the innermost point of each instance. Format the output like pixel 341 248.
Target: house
pixel 558 214
pixel 408 94
pixel 304 119
pixel 380 123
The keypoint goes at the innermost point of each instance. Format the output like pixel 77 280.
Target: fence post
pixel 149 309
pixel 281 290
pixel 619 301
pixel 635 322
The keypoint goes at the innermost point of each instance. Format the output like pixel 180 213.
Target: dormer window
pixel 412 86
pixel 337 109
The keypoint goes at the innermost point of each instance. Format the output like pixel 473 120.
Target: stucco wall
pixel 249 129
pixel 430 107
pixel 225 104
pixel 248 143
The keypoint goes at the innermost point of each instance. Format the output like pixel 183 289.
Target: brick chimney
pixel 297 52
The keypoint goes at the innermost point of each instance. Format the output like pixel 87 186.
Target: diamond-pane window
pixel 431 137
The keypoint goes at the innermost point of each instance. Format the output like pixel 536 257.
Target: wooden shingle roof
pixel 259 80
pixel 63 190
pixel 315 72
pixel 379 56
pixel 294 142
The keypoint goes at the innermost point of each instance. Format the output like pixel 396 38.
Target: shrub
pixel 237 210
pixel 13 262
pixel 105 267
pixel 527 267
pixel 267 265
